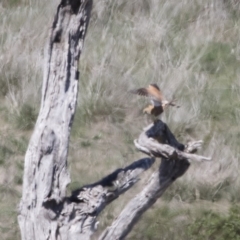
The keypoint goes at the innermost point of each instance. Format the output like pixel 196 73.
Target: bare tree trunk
pixel 45 173
pixel 45 212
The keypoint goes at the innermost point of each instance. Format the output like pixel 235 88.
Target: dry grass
pixel 190 48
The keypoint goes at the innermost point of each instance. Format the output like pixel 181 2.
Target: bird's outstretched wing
pixel 153 92
pixel 141 92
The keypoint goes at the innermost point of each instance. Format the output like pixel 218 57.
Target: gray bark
pixel 45 172
pixel 157 140
pixel 45 212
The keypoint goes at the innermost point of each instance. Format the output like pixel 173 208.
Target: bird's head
pixel 165 103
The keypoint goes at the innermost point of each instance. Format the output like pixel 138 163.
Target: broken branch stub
pixel 152 143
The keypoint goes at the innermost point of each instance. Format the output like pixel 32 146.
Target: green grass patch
pixel 27 117
pixel 219 59
pixel 213 226
pixel 162 223
pixel 5 153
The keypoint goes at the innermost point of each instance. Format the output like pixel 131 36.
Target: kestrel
pixel 158 102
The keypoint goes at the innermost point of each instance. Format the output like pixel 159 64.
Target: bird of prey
pixel 158 102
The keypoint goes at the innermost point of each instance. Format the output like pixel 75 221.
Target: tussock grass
pixel 190 48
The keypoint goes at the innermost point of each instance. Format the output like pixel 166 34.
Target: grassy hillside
pixel 190 48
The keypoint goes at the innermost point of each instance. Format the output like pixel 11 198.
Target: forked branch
pixel 156 140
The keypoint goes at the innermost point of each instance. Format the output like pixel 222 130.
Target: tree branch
pixel 115 183
pixel 151 143
pixel 78 218
pixel 156 140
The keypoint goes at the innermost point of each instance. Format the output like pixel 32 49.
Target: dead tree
pixel 45 212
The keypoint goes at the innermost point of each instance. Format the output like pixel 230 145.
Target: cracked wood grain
pixel 45 172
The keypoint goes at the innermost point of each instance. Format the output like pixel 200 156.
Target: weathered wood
pixel 117 182
pixel 152 143
pixel 78 219
pixel 157 141
pixel 45 172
